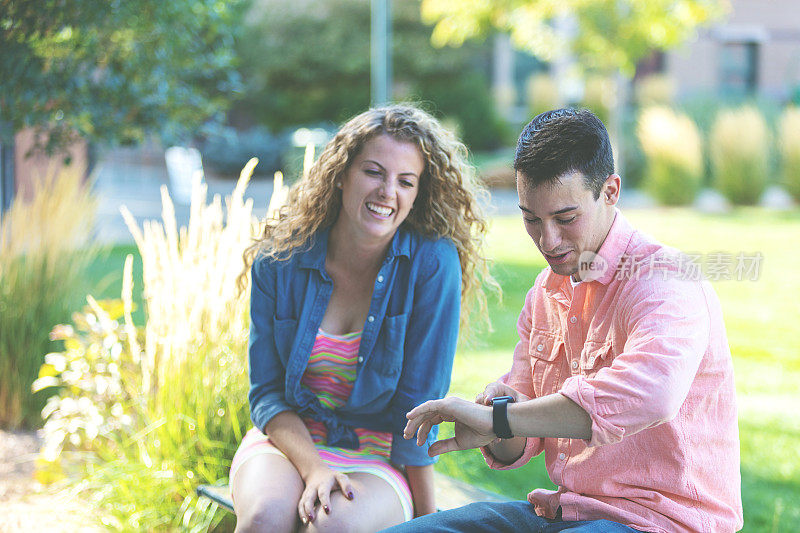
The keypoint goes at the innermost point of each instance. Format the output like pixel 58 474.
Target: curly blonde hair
pixel 446 204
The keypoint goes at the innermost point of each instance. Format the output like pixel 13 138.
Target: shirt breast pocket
pixel 545 351
pixel 595 356
pixel 389 361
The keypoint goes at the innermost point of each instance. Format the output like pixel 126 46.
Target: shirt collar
pixel 315 256
pixel 611 251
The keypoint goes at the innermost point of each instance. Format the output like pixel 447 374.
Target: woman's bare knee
pixel 265 491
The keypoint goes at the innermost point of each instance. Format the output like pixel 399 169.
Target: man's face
pixel 564 219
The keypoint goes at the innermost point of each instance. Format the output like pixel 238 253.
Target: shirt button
pixel 591 361
pixel 370 318
pixel 574 365
pixel 562 456
pixel 360 359
pixel 380 279
pixel 573 319
pixel 540 348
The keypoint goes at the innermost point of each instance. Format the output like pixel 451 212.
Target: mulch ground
pixel 28 506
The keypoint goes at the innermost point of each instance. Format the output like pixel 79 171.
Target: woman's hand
pixel 497 388
pixel 319 485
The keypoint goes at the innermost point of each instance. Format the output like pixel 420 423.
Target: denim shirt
pixel 407 344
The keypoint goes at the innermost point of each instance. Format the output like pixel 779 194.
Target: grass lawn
pixel 760 318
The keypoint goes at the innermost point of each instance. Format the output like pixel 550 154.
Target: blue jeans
pixel 505 517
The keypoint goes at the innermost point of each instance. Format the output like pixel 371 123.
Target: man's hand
pixel 497 388
pixel 473 424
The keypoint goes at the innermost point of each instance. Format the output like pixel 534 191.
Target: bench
pixel 450 493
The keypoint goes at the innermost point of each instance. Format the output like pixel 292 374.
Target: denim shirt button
pixel 370 318
pixel 360 359
pixel 380 279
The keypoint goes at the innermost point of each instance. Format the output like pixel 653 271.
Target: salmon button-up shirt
pixel 642 349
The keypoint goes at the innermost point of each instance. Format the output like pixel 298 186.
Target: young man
pixel 622 375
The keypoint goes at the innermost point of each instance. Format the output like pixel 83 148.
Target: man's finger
pixel 443 446
pixel 427 407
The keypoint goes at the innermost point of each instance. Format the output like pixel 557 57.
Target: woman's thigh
pixel 266 489
pixel 375 506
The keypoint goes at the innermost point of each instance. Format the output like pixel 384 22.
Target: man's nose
pixel 550 239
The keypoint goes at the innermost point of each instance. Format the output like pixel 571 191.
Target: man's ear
pixel 611 189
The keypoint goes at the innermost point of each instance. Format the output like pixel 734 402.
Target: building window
pixel 739 68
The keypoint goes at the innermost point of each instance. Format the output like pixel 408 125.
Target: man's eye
pixel 530 220
pixel 565 221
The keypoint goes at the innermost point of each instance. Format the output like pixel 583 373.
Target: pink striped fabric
pixel 330 374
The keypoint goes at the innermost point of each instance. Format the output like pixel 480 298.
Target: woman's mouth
pixel 380 210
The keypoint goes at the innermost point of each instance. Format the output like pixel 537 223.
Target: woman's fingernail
pixel 304 520
pixel 327 509
pixel 350 495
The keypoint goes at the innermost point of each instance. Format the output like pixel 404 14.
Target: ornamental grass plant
pixel 740 155
pixel 673 150
pixel 789 141
pixel 144 413
pixel 45 249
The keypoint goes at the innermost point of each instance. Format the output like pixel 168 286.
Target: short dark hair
pixel 561 141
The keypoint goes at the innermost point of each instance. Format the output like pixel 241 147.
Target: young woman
pixel 355 310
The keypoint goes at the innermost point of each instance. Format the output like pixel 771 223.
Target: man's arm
pixel 553 415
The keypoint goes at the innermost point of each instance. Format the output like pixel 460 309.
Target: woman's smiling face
pixel 379 188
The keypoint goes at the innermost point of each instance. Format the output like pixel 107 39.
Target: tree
pixel 114 70
pixel 602 34
pixel 308 61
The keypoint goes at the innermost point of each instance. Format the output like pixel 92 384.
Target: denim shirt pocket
pixel 596 355
pixel 544 350
pixel 387 359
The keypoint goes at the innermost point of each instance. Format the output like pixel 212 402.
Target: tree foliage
pixel 115 70
pixel 308 61
pixel 603 34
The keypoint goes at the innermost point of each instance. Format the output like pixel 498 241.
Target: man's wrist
pixel 500 425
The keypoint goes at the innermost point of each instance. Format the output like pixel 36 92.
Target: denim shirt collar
pixel 314 257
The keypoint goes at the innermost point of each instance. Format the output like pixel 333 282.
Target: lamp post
pixel 381 52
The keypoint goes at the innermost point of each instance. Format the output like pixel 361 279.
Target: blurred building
pixel 754 51
pixel 21 166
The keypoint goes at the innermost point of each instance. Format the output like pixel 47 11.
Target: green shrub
pixel 543 94
pixel 672 146
pixel 789 132
pixel 599 95
pixel 740 155
pixel 655 89
pixel 44 252
pixel 142 415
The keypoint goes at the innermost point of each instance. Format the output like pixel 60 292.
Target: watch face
pixel 502 399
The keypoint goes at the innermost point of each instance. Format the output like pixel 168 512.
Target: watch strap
pixel 500 425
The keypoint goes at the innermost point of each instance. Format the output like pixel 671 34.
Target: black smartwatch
pixel 500 417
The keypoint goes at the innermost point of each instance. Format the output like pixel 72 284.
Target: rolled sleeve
pixel 267 371
pixel 649 380
pixel 533 447
pixel 429 347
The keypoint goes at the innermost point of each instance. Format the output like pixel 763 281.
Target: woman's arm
pixel 430 344
pixel 290 435
pixel 420 480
